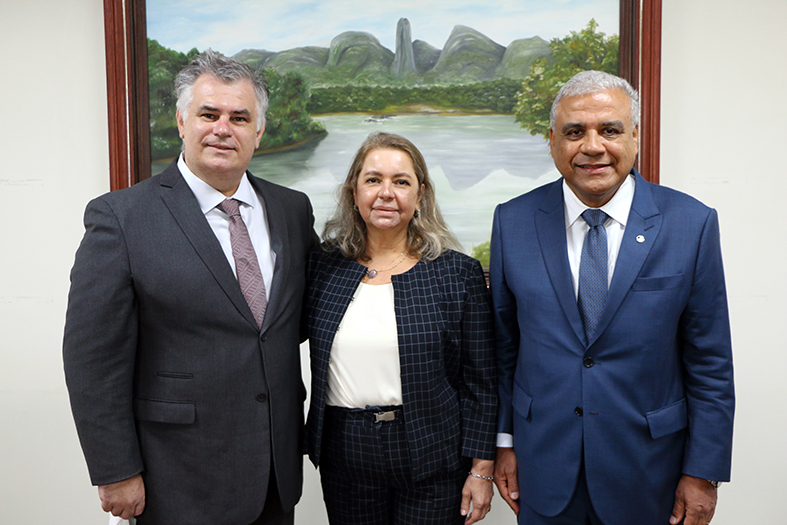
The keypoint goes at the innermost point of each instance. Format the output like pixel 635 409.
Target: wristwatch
pixel 714 483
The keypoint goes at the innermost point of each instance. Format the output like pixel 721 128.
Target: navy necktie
pixel 593 271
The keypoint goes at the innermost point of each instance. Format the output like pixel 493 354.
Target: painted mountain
pixel 359 58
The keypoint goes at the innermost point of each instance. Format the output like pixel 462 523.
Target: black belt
pixel 375 413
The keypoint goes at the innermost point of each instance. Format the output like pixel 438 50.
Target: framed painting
pixel 454 80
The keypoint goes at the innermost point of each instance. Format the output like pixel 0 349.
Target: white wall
pixel 723 107
pixel 722 111
pixel 53 158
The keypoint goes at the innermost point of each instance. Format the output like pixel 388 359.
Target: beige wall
pixel 722 110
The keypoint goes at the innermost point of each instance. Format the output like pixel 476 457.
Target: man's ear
pixel 181 122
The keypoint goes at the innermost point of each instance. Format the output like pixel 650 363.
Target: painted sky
pixel 278 25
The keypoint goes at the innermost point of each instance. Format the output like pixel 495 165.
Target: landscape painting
pixel 469 83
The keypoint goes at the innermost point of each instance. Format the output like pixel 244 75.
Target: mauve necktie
pixel 246 264
pixel 593 271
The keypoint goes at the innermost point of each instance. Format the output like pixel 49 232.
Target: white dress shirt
pixel 618 209
pixel 252 211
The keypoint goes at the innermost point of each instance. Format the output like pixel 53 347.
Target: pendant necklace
pixel 371 273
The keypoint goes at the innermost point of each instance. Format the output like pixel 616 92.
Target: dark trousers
pixel 367 477
pixel 578 512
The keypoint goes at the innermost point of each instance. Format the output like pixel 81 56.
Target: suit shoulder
pixel 532 198
pixel 277 191
pixel 452 262
pixel 325 261
pixel 672 200
pixel 320 256
pixel 455 258
pixel 128 200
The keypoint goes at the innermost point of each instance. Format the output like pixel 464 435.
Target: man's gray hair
pixel 588 82
pixel 227 70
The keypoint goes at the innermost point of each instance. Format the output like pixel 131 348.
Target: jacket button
pixel 588 362
pixel 578 411
pixel 262 398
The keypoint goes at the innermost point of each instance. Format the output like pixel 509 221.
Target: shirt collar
pixel 617 208
pixel 209 197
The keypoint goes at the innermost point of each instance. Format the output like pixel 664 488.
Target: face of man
pixel 220 133
pixel 594 145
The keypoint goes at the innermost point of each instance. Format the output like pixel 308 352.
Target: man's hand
pixel 125 498
pixel 694 498
pixel 506 477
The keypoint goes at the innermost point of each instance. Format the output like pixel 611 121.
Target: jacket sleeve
pixel 99 348
pixel 707 361
pixel 479 401
pixel 504 313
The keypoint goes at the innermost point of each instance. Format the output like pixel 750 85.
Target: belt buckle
pixel 385 416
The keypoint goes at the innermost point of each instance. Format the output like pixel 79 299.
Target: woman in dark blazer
pixel 403 400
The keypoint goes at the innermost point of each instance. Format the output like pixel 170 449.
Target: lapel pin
pixel 640 239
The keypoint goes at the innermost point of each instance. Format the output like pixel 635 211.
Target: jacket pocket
pixel 175 375
pixel 177 412
pixel 650 284
pixel 521 402
pixel 668 419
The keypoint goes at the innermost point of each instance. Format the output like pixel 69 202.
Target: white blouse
pixel 364 364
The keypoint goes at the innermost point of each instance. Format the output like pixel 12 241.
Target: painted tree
pixel 163 66
pixel 579 51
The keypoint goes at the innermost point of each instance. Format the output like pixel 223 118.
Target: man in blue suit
pixel 615 361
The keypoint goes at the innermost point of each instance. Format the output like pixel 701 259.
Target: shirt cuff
pixel 505 440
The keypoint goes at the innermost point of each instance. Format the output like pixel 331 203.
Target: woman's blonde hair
pixel 428 235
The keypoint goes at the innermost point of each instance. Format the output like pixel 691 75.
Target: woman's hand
pixel 478 491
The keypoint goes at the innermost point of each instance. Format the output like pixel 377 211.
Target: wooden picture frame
pixel 125 26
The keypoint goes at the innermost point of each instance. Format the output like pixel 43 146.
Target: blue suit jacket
pixel 446 355
pixel 651 395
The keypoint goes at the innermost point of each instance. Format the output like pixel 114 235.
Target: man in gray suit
pixel 184 379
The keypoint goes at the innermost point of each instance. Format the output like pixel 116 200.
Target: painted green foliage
pixel 163 66
pixel 288 122
pixel 579 51
pixel 496 96
pixel 481 252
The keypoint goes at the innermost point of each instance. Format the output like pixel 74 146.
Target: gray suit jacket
pixel 167 372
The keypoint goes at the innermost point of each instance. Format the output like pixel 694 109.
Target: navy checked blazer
pixel 446 355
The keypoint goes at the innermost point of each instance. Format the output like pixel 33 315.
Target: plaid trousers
pixel 367 477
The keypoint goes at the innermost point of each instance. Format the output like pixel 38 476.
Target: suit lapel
pixel 180 201
pixel 551 229
pixel 642 228
pixel 279 239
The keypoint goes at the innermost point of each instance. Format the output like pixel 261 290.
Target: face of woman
pixel 387 192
